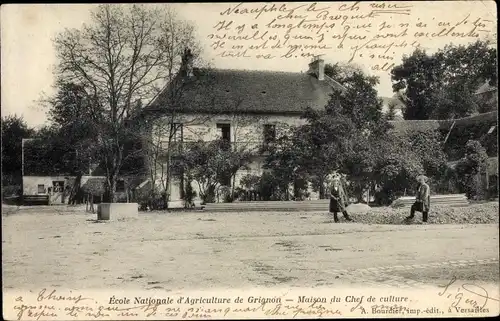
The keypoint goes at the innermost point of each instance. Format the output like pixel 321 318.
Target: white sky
pixel 27 54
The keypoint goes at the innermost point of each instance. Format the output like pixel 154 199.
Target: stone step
pixel 443 200
pixel 456 200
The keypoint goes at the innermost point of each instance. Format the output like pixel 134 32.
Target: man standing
pixel 423 200
pixel 338 200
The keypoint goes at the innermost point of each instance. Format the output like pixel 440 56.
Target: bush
pixel 12 194
pixel 266 188
pixel 469 170
pixel 250 182
pixel 189 195
pixel 11 190
pixel 149 200
pixel 384 197
pixel 224 193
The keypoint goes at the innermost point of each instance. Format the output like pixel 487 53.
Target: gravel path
pixel 68 248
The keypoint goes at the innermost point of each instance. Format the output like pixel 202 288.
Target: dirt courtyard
pixel 61 247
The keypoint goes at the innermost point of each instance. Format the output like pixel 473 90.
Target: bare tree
pixel 127 54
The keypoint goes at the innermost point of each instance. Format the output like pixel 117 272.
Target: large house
pixel 246 108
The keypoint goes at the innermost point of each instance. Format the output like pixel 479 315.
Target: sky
pixel 28 56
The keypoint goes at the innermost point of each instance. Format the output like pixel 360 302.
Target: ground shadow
pixel 96 221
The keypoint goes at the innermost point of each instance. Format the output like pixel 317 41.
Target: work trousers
pixel 336 218
pixel 418 207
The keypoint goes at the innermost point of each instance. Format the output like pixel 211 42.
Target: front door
pixel 57 192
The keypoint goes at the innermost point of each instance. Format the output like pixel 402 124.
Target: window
pixel 120 186
pixel 269 133
pixel 41 189
pixel 224 131
pixel 178 130
pixel 57 186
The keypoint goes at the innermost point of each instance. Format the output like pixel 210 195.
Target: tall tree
pixel 359 102
pixel 326 142
pixel 441 85
pixel 14 129
pixel 284 162
pixel 360 105
pixel 127 54
pixel 70 112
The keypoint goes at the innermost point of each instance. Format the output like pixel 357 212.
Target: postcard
pixel 267 160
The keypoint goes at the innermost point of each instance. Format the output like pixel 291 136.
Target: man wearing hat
pixel 338 200
pixel 423 199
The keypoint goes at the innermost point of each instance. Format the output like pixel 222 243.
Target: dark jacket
pixel 338 199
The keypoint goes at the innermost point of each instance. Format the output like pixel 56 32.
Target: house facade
pixel 246 108
pixel 49 172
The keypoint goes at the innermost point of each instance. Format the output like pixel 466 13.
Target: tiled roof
pixel 247 91
pixel 492 164
pixel 445 124
pixel 484 88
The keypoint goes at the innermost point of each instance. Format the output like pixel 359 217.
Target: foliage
pixel 48 154
pixel 210 164
pixel 328 142
pixel 441 85
pixel 470 167
pixel 148 201
pixel 94 186
pixel 341 138
pixel 353 137
pixel 360 102
pixel 70 113
pixel 360 105
pixel 250 182
pixel 402 156
pixel 14 129
pixel 284 163
pixel 270 188
pixel 397 164
pixel 427 146
pixel 391 112
pixel 267 187
pixel 189 194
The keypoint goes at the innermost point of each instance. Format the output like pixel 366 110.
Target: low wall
pixel 114 211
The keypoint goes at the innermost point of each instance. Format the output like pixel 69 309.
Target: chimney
pixel 317 67
pixel 187 63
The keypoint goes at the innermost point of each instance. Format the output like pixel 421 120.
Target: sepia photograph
pixel 249 160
